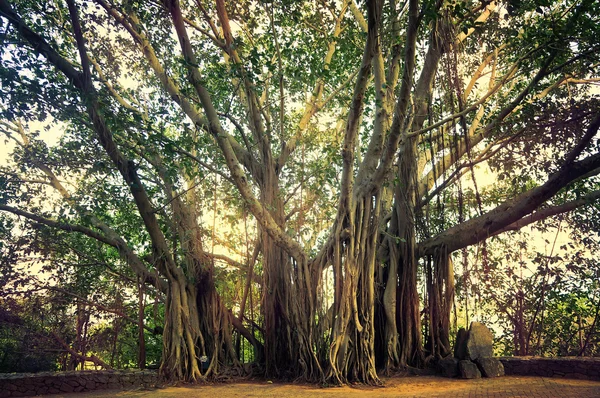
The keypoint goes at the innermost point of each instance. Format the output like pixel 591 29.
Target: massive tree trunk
pixel 280 344
pixel 355 234
pixel 401 298
pixel 181 333
pixel 197 326
pixel 288 297
pixel 197 333
pixel 352 350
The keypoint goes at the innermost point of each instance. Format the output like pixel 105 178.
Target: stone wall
pixel 30 384
pixel 567 367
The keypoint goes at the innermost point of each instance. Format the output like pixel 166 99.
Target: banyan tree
pixel 352 134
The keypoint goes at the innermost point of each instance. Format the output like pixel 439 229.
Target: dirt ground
pixel 417 386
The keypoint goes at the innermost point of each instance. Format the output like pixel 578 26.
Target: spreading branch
pixel 480 228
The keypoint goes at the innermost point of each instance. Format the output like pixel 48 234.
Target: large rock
pixel 490 367
pixel 460 346
pixel 479 342
pixel 448 367
pixel 468 370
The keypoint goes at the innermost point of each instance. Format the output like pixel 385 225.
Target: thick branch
pixel 83 83
pixel 131 25
pixel 239 326
pixel 551 211
pixel 40 45
pixel 118 243
pixel 486 225
pixel 126 167
pixel 59 225
pixel 356 106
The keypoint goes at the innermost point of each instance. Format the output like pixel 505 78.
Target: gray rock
pixel 66 388
pixel 460 346
pixel 490 367
pixel 448 367
pixel 468 370
pixel 148 378
pixel 74 382
pixel 480 342
pixel 102 379
pixel 10 387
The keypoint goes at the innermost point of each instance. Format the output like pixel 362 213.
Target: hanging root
pixel 441 298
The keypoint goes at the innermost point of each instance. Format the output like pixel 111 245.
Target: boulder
pixel 460 346
pixel 479 342
pixel 448 367
pixel 490 367
pixel 468 370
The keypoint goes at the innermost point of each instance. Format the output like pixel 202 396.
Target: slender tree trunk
pixel 141 338
pixel 116 330
pixel 520 326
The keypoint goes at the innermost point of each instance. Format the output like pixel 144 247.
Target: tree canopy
pixel 339 146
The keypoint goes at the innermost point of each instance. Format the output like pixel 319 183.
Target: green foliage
pixel 23 346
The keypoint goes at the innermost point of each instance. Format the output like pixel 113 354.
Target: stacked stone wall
pixel 31 384
pixel 566 367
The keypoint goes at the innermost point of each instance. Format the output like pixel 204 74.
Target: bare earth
pixel 418 386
